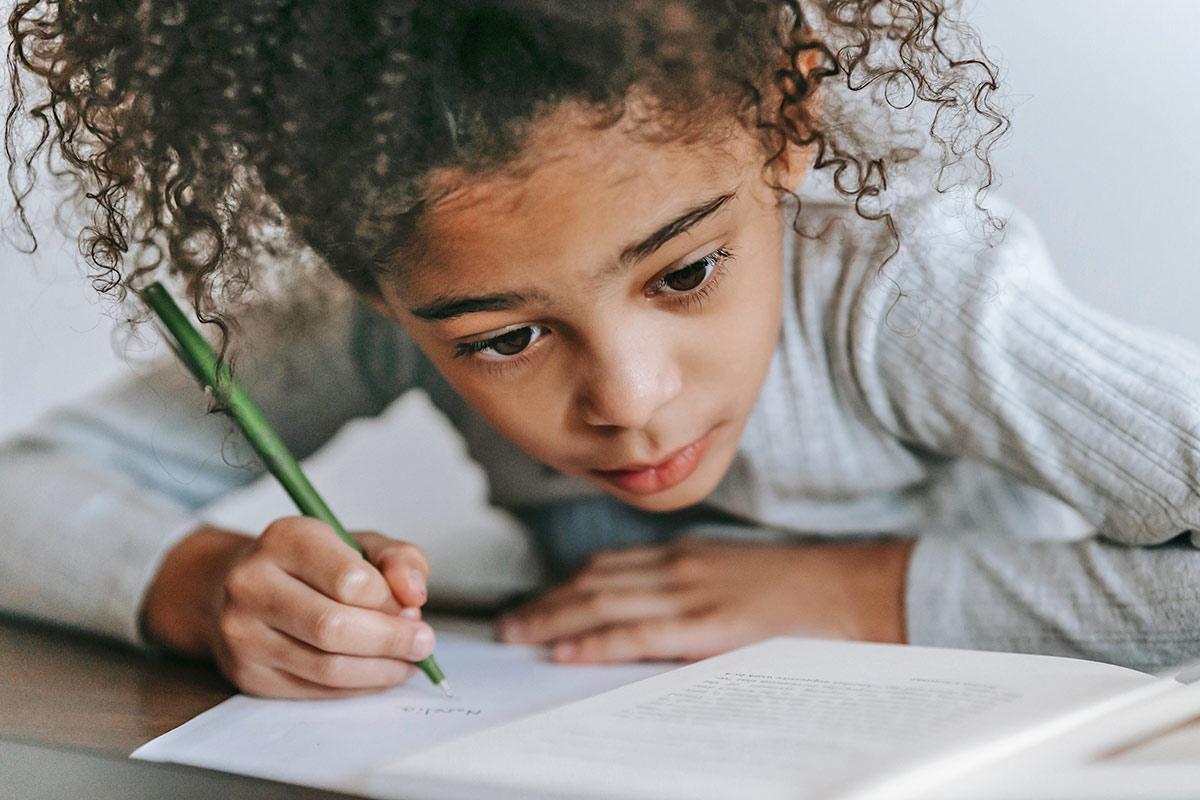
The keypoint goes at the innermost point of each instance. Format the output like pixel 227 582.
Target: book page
pixel 1138 744
pixel 334 744
pixel 785 718
pixel 1180 745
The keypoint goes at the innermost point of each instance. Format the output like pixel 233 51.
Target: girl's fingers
pixel 641 556
pixel 577 613
pixel 305 614
pixel 640 576
pixel 403 565
pixel 312 552
pixel 686 638
pixel 263 681
pixel 593 589
pixel 587 586
pixel 332 670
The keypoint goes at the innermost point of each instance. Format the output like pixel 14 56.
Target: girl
pixel 708 287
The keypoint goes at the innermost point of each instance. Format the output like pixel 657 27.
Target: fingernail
pixel 410 613
pixel 564 651
pixel 511 630
pixel 422 644
pixel 417 581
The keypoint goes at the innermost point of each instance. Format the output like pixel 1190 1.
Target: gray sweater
pixel 1045 456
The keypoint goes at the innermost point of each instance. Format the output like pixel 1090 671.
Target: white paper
pixel 783 719
pixel 334 744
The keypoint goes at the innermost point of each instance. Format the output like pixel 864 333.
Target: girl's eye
pixel 504 347
pixel 512 342
pixel 688 278
pixel 695 281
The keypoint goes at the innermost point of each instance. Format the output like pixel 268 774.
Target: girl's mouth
pixel 672 471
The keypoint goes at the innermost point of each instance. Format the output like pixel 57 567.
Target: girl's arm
pixel 1097 599
pixel 989 358
pixel 95 494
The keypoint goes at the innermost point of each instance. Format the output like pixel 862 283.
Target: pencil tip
pixel 445 687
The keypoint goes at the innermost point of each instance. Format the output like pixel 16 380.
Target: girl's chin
pixel 661 502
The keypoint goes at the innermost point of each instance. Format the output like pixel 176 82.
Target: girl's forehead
pixel 577 206
pixel 566 157
pixel 571 173
pixel 574 149
pixel 566 206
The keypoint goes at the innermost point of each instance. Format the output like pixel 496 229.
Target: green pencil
pixel 199 357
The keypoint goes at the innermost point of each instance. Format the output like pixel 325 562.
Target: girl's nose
pixel 627 390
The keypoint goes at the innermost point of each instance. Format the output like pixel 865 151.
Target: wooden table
pixel 95 701
pixel 73 706
pixel 71 689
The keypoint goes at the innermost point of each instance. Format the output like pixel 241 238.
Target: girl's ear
pixel 794 164
pixel 377 303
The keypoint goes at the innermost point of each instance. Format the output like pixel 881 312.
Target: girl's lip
pixel 672 471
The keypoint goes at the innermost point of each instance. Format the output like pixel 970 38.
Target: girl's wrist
pixel 181 606
pixel 883 619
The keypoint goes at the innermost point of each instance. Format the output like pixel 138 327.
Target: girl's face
pixel 611 309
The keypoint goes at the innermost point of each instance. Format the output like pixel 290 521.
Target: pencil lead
pixel 445 687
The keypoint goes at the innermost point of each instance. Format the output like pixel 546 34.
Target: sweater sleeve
pixel 95 493
pixel 979 352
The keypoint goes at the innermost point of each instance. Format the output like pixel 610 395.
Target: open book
pixel 790 718
pixel 794 718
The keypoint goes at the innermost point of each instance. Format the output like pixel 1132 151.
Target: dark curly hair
pixel 210 132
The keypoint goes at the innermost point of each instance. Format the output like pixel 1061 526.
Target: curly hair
pixel 207 133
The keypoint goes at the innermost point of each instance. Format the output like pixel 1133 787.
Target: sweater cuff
pixel 935 595
pixel 85 551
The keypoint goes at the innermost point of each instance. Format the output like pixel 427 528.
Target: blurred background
pixel 1102 155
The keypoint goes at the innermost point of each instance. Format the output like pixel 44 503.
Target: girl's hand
pixel 294 613
pixel 695 598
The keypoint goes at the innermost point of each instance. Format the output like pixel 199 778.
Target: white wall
pixel 1104 150
pixel 55 332
pixel 1103 155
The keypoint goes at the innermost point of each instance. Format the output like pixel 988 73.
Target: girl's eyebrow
pixel 452 306
pixel 635 252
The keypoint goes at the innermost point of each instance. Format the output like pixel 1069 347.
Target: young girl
pixel 706 286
